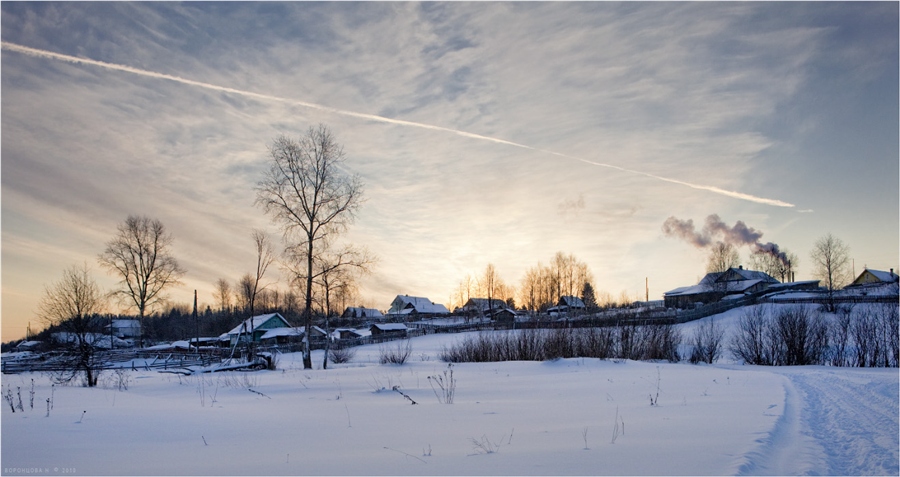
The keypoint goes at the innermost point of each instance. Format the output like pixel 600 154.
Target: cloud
pixel 373 117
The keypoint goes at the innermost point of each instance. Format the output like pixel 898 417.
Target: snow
pixel 537 418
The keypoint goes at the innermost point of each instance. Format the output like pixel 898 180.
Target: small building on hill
pixel 125 329
pixel 254 328
pixel 361 313
pixel 567 304
pixel 505 315
pixel 717 285
pixel 405 305
pixel 868 277
pixel 483 306
pixel 388 329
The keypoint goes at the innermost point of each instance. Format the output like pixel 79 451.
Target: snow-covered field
pixel 564 417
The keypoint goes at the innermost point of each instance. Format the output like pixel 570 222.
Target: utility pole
pixel 196 323
pixel 647 289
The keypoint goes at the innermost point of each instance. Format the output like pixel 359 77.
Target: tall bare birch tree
pixel 140 254
pixel 308 192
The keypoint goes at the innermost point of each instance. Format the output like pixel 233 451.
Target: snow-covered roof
pixel 361 312
pixel 389 326
pixel 571 301
pixel 733 280
pixel 484 304
pixel 258 321
pixel 27 344
pixel 875 276
pixel 419 304
pixel 276 332
pixel 738 286
pixel 126 323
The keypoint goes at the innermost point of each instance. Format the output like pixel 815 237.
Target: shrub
pixel 750 342
pixel 708 338
pixel 397 353
pixel 341 354
pixel 791 336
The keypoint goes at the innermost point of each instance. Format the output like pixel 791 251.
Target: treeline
pixel 540 287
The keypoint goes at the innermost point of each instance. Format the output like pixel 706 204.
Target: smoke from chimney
pixel 715 230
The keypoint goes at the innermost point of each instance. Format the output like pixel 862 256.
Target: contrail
pixel 371 117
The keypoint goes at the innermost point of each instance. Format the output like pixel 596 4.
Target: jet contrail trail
pixel 372 117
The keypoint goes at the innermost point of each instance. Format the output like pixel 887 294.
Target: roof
pixel 126 323
pixel 258 322
pixel 389 326
pixel 419 304
pixel 736 286
pixel 360 312
pixel 276 332
pixel 484 304
pixel 571 301
pixel 733 280
pixel 874 276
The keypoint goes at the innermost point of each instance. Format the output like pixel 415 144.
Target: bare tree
pixel 722 256
pixel 831 260
pixel 251 283
pixel 336 270
pixel 140 254
pixel 780 265
pixel 490 283
pixel 72 305
pixel 307 191
pixel 222 294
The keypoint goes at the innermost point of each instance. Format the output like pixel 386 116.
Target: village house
pixel 567 304
pixel 388 329
pixel 124 329
pixel 505 315
pixel 482 306
pixel 868 277
pixel 404 306
pixel 717 285
pixel 347 334
pixel 254 328
pixel 361 313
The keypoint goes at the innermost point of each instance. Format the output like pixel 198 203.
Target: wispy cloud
pixel 372 117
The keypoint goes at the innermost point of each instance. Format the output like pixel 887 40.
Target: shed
pixel 388 329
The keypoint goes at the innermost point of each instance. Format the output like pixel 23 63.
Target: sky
pixel 484 133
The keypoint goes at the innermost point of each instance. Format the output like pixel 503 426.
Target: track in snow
pixel 836 421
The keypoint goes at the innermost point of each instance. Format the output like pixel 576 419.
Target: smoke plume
pixel 715 230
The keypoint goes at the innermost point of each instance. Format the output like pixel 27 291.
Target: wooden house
pixel 388 329
pixel 405 305
pixel 868 277
pixel 717 285
pixel 254 328
pixel 362 313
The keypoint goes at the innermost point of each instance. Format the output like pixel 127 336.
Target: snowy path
pixel 835 422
